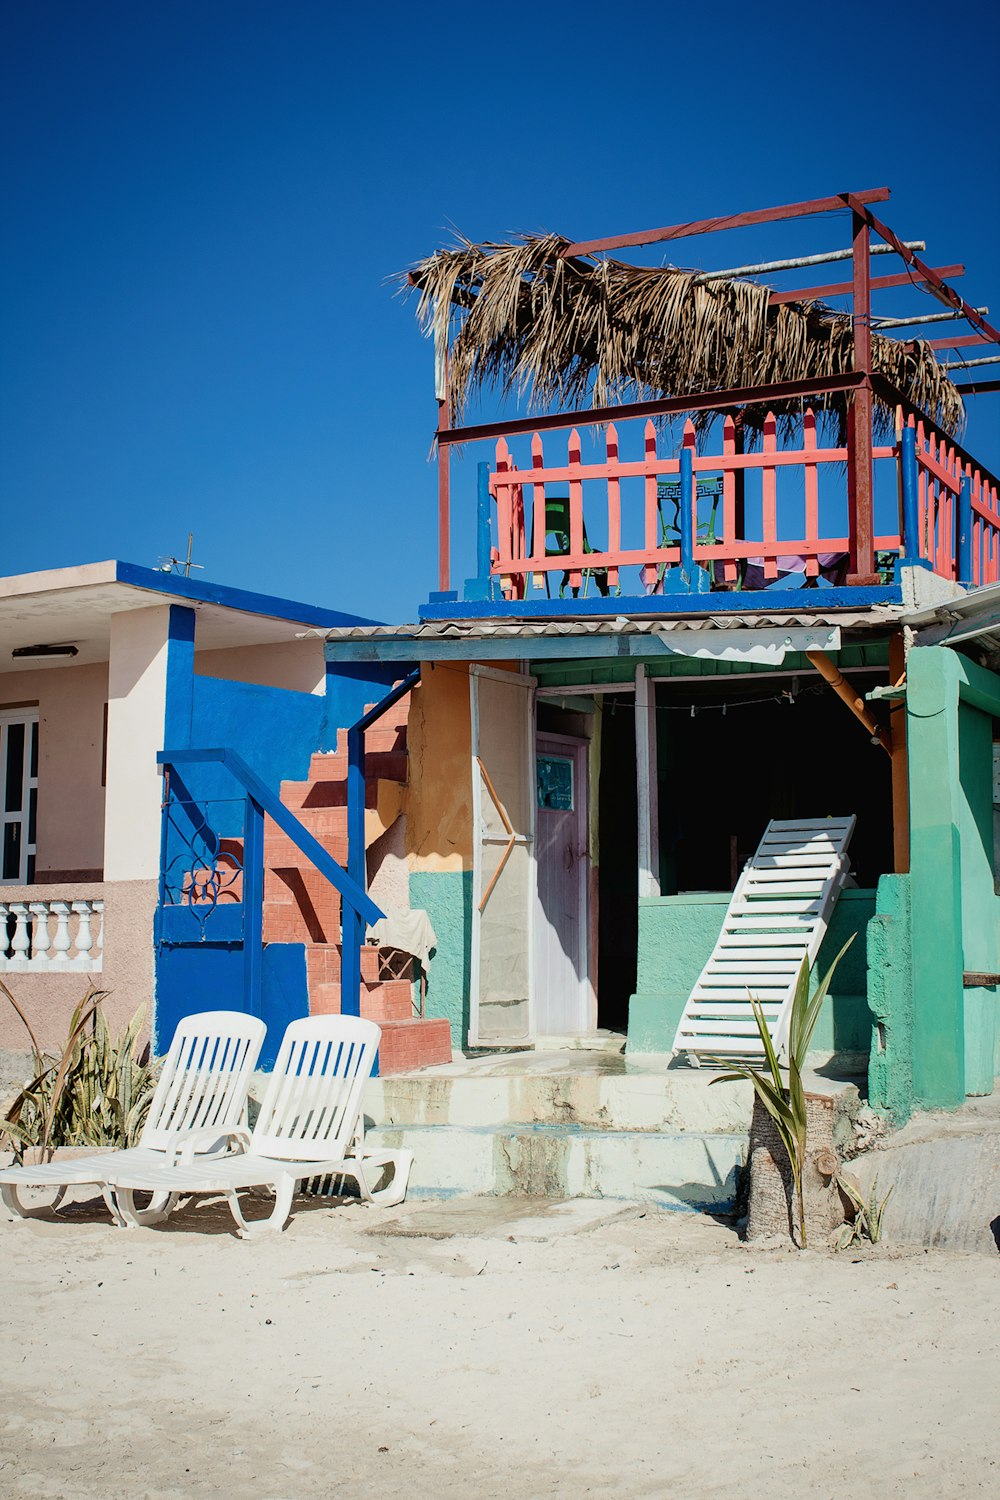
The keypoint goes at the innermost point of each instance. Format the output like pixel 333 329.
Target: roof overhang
pixel 74 606
pixel 758 640
pixel 973 618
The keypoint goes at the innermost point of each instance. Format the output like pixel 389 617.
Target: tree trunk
pixel 773 1208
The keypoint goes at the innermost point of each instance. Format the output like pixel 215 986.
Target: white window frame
pixel 28 717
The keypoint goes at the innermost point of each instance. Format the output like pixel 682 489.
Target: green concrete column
pixel 980 906
pixel 938 1052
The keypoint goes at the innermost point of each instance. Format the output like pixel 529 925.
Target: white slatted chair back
pixel 778 915
pixel 205 1077
pixel 312 1103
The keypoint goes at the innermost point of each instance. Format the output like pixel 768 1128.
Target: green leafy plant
pixel 94 1091
pixel 786 1103
pixel 867 1224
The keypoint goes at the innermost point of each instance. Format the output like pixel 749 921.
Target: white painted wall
pixel 298 666
pixel 137 679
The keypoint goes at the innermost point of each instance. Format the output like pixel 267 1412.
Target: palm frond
pixel 522 317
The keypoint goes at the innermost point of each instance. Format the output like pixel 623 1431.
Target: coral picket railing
pixel 955 508
pixel 520 559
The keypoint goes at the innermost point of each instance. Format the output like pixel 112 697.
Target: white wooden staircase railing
pixel 778 915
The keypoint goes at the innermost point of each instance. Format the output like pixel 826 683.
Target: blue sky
pixel 202 203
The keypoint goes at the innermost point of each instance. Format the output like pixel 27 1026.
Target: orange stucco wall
pixel 439 797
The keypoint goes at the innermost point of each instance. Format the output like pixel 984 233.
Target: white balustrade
pixel 46 937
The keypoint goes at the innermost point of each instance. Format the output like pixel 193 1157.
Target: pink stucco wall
pixel 70 703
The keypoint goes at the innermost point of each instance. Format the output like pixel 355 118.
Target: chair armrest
pixel 199 1142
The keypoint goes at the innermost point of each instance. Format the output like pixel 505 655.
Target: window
pixel 554 774
pixel 18 795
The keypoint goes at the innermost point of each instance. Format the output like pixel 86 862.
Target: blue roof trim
pixel 765 601
pixel 201 592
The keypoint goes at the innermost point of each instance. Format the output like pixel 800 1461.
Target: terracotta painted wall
pixel 70 746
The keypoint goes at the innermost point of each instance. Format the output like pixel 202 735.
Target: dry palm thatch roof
pixel 523 317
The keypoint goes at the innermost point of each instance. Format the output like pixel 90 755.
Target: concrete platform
pixel 944 1170
pixel 570 1124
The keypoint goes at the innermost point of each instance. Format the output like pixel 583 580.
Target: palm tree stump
pixel 773 1210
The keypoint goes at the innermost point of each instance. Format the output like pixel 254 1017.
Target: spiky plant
pixel 786 1103
pixel 95 1091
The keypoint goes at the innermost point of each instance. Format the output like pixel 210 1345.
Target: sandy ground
pixel 634 1354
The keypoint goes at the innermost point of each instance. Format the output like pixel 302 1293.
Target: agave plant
pixel 867 1223
pixel 94 1092
pixel 786 1103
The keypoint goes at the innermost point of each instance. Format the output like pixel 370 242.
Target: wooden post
pixel 646 783
pixel 900 771
pixel 444 487
pixel 859 418
pixel 352 923
pixel 253 906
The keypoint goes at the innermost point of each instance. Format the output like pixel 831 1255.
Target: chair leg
pixel 123 1208
pixel 18 1210
pixel 395 1190
pixel 249 1229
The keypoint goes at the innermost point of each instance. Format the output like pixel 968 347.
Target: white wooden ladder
pixel 778 915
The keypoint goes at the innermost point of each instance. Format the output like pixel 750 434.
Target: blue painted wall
pixel 209 976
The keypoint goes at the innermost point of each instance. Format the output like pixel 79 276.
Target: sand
pixel 609 1351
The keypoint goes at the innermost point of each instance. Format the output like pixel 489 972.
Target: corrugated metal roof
pixel 971 618
pixel 470 630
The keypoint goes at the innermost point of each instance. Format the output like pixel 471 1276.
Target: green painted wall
pixel 890 999
pixel 980 906
pixel 954 909
pixel 676 936
pixel 446 896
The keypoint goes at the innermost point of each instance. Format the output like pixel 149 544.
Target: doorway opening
pixel 618 871
pixel 723 776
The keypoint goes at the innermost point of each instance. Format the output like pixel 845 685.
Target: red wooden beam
pixel 979 389
pixel 732 221
pixel 844 288
pixel 945 293
pixel 962 342
pixel 860 484
pixel 894 397
pixel 750 395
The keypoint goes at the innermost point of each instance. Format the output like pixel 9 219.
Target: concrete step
pixel 575 1089
pixel 683 1169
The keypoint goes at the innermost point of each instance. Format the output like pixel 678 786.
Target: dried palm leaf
pixel 527 320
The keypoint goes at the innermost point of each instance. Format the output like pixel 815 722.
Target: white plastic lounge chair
pixel 778 915
pixel 310 1125
pixel 200 1097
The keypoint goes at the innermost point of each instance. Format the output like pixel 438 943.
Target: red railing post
pixel 538 517
pixel 811 494
pixel 575 510
pixel 651 537
pixel 729 569
pixel 769 499
pixel 859 417
pixel 614 502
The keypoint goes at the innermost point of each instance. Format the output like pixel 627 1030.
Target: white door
pixel 18 795
pixel 562 990
pixel 503 881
